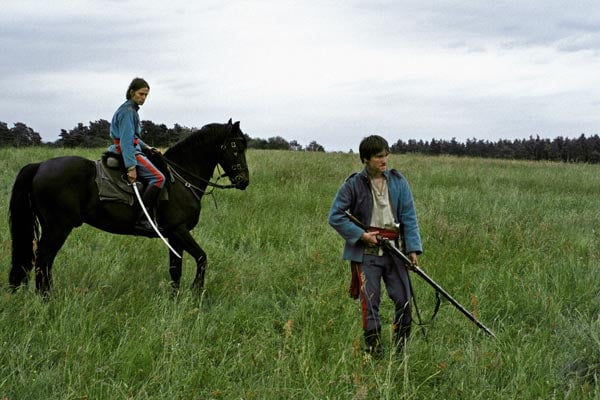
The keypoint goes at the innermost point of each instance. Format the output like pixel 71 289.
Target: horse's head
pixel 232 157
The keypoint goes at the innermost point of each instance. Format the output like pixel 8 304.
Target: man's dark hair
pixel 135 85
pixel 372 145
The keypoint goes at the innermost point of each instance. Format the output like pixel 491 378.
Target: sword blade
pixel 139 198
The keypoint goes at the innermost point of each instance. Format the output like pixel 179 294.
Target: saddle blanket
pixel 112 186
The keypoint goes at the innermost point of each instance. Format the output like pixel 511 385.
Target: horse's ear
pixel 236 125
pixel 229 121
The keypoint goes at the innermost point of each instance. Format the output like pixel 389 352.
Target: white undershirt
pixel 382 216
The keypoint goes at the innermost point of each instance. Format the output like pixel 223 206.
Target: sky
pixel 329 71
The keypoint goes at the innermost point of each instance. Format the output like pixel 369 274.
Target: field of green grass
pixel 517 243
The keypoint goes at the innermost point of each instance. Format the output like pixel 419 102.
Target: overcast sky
pixel 330 71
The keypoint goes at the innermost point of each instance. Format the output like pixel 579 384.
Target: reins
pixel 171 166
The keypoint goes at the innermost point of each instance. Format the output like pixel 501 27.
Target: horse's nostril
pixel 242 182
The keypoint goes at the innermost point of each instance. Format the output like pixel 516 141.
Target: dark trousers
pixel 394 275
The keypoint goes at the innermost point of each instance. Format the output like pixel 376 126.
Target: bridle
pixel 233 146
pixel 173 168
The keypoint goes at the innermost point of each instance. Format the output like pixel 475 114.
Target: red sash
pixel 117 143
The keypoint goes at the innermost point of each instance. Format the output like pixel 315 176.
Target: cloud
pixel 330 71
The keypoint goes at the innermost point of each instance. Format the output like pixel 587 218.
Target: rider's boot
pixel 142 225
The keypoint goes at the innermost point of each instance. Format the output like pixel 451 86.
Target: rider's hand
pixel 131 175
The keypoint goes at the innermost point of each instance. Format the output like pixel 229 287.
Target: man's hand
pixel 131 175
pixel 414 259
pixel 370 239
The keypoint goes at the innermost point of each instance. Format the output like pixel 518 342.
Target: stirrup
pixel 143 227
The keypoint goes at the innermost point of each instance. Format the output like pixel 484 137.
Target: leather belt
pixel 389 234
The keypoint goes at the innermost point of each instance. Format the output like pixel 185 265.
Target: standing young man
pixel 379 197
pixel 125 131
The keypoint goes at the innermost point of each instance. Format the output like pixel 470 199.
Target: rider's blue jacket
pixel 125 130
pixel 355 196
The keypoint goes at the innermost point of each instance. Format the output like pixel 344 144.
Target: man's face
pixel 139 96
pixel 378 162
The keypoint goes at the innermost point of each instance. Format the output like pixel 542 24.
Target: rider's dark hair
pixel 135 85
pixel 372 145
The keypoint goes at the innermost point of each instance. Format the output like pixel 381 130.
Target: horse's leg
pixel 17 276
pixel 198 283
pixel 175 264
pixel 23 227
pixel 184 239
pixel 50 243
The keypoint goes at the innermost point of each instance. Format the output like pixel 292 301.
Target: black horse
pixel 51 198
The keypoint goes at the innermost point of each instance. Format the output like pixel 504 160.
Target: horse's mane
pixel 207 136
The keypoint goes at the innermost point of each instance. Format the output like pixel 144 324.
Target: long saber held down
pixel 396 252
pixel 139 198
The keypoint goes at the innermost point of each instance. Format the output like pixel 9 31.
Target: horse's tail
pixel 24 226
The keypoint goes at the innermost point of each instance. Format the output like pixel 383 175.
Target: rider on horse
pixel 125 130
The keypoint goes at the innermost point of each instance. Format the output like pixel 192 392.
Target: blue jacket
pixel 125 130
pixel 355 196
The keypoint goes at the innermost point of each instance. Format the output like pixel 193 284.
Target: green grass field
pixel 517 243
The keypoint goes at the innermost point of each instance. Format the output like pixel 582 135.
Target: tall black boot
pixel 373 342
pixel 149 197
pixel 401 335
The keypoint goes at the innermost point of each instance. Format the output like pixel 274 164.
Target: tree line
pixel 581 149
pixel 96 134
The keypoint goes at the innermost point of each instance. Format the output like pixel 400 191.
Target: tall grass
pixel 515 242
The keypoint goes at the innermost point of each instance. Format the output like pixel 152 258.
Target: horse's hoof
pixel 174 290
pixel 46 295
pixel 174 294
pixel 197 289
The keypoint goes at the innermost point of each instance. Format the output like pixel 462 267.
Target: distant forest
pixel 96 134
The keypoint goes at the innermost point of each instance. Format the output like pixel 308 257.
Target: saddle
pixel 111 181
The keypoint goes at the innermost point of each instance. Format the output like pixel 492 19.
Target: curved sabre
pixel 139 198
